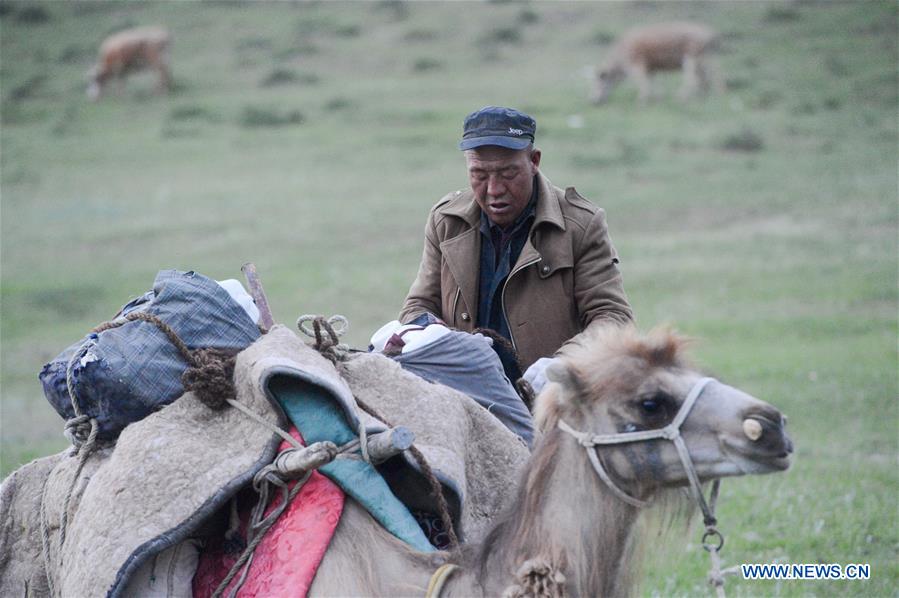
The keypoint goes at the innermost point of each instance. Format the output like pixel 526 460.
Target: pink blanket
pixel 288 556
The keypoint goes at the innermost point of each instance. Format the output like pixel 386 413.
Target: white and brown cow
pixel 643 51
pixel 128 51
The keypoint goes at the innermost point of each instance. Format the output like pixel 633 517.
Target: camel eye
pixel 656 405
pixel 650 406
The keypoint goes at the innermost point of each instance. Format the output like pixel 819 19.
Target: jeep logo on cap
pixel 516 131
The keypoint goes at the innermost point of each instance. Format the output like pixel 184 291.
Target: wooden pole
pixel 265 313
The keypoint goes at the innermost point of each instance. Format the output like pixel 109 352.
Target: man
pixel 516 254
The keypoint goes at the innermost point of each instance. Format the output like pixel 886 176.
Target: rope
pixel 77 429
pixel 266 424
pixel 526 392
pixel 83 453
pixel 671 432
pixel 439 579
pixel 433 482
pixel 268 477
pixel 335 327
pixel 259 526
pixel 45 536
pixel 715 577
pixel 502 342
pixel 716 573
pixel 209 376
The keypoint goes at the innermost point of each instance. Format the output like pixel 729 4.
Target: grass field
pixel 312 138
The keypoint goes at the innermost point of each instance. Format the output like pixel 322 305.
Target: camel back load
pixel 206 492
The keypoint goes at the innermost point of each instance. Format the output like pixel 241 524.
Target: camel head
pixel 95 81
pixel 616 381
pixel 605 79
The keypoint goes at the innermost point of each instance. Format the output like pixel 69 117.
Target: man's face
pixel 502 180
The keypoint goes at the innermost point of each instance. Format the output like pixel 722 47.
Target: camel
pixel 143 48
pixel 643 51
pixel 568 531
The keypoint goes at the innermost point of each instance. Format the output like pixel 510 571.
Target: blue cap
pixel 495 125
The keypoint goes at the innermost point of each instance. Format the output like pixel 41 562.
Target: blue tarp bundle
pixel 123 374
pixel 468 363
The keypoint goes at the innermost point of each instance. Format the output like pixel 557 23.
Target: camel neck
pixel 564 520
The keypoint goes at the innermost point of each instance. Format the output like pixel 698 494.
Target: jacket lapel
pixel 545 243
pixel 462 252
pixel 547 218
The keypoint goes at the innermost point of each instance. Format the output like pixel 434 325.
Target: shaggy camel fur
pixel 565 533
pixel 644 51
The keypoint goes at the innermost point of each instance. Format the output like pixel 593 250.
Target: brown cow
pixel 128 51
pixel 643 51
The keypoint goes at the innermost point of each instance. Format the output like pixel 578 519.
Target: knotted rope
pixel 269 478
pixel 330 348
pixel 210 371
pixel 328 344
pixel 209 376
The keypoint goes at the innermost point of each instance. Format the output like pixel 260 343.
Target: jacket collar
pixel 461 252
pixel 465 207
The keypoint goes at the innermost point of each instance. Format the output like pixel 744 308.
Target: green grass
pixel 312 138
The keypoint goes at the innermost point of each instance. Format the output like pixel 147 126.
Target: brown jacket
pixel 565 279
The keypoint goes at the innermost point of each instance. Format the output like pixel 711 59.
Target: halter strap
pixel 671 432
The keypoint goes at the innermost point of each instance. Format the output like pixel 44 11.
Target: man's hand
pixel 536 374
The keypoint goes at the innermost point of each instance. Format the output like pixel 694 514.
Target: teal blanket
pixel 318 417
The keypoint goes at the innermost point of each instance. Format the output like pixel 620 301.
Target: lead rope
pixel 716 573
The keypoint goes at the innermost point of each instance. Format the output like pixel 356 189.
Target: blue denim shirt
pixel 499 251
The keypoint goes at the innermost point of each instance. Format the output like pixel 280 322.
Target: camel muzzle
pixel 767 432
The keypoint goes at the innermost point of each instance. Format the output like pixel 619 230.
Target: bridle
pixel 671 432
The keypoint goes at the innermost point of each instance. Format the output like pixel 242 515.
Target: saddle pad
pixel 287 558
pixel 315 412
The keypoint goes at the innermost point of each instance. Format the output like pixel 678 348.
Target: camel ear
pixel 567 378
pixel 559 373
